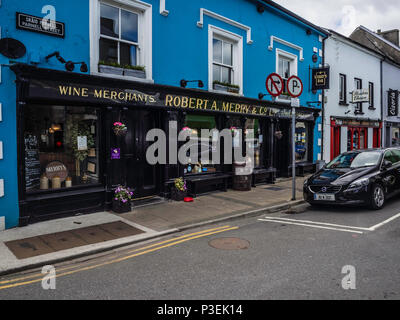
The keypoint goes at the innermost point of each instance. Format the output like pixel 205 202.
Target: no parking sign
pixel 295 86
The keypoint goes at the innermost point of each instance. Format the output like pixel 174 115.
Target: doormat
pixel 50 243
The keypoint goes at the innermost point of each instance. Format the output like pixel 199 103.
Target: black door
pixel 141 177
pixel 282 148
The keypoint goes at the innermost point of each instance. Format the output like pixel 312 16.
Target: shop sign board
pixel 83 93
pixel 115 154
pixel 393 103
pixel 360 96
pixel 41 25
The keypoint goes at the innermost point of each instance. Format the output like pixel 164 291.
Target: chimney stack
pixel 391 35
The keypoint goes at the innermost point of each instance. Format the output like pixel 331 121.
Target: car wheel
pixel 378 197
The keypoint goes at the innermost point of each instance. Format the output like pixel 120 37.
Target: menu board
pixel 32 163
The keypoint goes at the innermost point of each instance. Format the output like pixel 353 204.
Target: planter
pixel 223 88
pixel 111 70
pixel 135 73
pixel 120 207
pixel 178 195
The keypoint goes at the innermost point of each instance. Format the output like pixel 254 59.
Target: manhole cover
pixel 229 244
pixel 274 188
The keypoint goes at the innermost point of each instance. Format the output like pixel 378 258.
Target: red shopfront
pixel 358 135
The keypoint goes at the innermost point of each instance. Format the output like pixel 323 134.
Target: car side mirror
pixel 387 164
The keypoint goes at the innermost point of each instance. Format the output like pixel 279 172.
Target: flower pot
pixel 178 195
pixel 111 70
pixel 120 207
pixel 135 73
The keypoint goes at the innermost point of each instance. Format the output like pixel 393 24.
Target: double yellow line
pixel 22 281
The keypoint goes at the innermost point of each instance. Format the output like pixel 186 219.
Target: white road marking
pixel 310 225
pixel 320 223
pixel 373 228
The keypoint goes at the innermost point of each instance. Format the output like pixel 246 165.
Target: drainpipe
pixel 323 102
pixel 383 133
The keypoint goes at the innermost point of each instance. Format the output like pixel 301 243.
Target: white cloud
pixel 345 15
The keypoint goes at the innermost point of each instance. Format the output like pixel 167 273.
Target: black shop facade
pixel 70 159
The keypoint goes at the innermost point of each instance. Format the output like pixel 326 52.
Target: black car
pixel 363 177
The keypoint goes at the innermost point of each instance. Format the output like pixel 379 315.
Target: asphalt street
pixel 287 256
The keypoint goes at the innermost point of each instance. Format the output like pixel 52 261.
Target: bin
pixel 242 175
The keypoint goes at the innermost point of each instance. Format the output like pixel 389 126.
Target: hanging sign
pixel 360 96
pixel 274 84
pixel 393 103
pixel 295 86
pixel 41 25
pixel 320 78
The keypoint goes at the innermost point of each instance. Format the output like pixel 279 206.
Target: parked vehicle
pixel 363 177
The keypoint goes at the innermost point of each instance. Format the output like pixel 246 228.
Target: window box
pixel 111 70
pixel 137 73
pixel 226 88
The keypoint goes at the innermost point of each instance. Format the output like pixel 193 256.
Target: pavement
pixel 153 221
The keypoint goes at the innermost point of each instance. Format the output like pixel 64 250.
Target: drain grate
pixel 229 244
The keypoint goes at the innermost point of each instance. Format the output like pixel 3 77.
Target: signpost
pixel 274 84
pixel 295 88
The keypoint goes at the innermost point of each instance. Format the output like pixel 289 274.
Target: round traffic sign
pixel 295 86
pixel 274 84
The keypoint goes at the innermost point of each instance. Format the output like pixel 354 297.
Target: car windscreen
pixel 355 160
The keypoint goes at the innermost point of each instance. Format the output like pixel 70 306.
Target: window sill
pixel 114 76
pixel 226 93
pixel 344 104
pixel 371 108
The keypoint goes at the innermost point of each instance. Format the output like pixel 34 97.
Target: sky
pixel 344 16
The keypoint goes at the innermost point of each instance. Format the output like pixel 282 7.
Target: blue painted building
pixel 56 125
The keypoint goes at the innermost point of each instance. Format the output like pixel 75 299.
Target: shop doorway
pixel 141 177
pixel 282 148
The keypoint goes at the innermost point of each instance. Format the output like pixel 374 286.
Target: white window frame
pixel 293 66
pixel 237 63
pixel 145 34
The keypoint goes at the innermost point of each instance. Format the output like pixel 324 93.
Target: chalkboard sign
pixel 32 163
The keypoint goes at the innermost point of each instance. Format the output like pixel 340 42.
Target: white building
pixel 347 125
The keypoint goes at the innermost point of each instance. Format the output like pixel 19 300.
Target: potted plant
pixel 122 200
pixel 226 87
pixel 111 68
pixel 120 129
pixel 135 71
pixel 179 190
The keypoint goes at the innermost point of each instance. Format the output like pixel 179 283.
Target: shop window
pixel 61 147
pixel 254 140
pixel 357 139
pixel 302 140
pixel 205 164
pixel 122 39
pixel 225 61
pixel 396 137
pixel 342 89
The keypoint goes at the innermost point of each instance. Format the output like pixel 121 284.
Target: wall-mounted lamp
pixel 308 32
pixel 260 8
pixel 69 65
pixel 185 82
pixel 261 95
pixel 315 58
